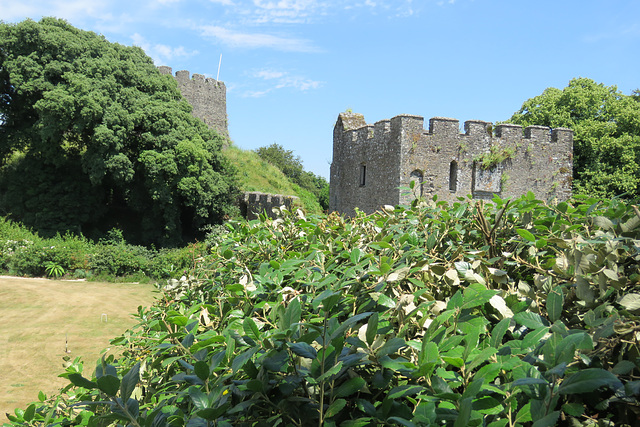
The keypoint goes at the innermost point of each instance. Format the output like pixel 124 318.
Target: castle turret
pixel 207 96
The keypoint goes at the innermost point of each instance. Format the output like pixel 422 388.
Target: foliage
pixel 25 253
pixel 507 313
pixel 495 156
pixel 606 127
pixel 291 166
pixel 94 137
pixel 285 160
pixel 53 269
pixel 257 174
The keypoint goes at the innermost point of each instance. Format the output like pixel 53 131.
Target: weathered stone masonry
pixel 372 162
pixel 207 96
pixel 252 204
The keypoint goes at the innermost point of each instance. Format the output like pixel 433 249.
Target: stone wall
pixel 252 204
pixel 207 96
pixel 372 163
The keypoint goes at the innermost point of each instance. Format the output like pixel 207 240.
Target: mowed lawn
pixel 38 315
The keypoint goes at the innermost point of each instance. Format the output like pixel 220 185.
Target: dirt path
pixel 38 315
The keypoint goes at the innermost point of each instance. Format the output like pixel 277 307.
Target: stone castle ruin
pixel 207 96
pixel 373 165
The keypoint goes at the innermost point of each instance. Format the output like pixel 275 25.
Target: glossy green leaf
pixel 524 414
pixel 588 380
pixel 332 371
pixel 473 388
pixel 199 398
pixel 108 384
pixel 555 302
pixel 400 421
pixel 488 405
pixel 201 369
pixel 526 234
pixel 29 413
pixel 129 382
pixel 530 320
pixel 548 421
pixel 372 329
pixel 498 332
pixel 464 413
pixel 529 381
pixel 391 346
pixel 240 360
pixel 348 324
pixel 303 349
pixel 404 390
pixel 350 387
pixel 335 407
pixel 80 381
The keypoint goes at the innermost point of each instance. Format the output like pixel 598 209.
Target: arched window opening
pixel 417 178
pixel 453 176
pixel 363 174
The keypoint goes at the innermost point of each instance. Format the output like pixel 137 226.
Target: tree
pixel 291 167
pixel 606 125
pixel 93 137
pixel 285 160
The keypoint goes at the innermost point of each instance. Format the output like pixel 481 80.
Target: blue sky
pixel 291 66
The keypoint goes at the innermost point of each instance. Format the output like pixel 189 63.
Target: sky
pixel 291 66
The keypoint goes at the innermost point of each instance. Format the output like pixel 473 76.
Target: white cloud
pixel 286 11
pixel 256 93
pixel 256 40
pixel 281 80
pixel 161 54
pixel 268 74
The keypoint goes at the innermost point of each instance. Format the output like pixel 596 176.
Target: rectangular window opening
pixel 363 175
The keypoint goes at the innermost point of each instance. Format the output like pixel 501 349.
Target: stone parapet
pixel 254 203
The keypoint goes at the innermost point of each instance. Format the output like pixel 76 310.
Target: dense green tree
pixel 92 136
pixel 291 166
pixel 285 160
pixel 606 125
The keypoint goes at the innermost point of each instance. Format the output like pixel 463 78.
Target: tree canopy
pixel 94 137
pixel 606 125
pixel 291 167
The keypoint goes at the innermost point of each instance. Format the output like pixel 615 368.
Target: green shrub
pixel 511 313
pixel 120 260
pixel 172 263
pixel 27 258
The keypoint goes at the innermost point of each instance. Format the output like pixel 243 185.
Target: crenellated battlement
pixel 207 96
pixel 370 162
pixel 357 130
pixel 253 203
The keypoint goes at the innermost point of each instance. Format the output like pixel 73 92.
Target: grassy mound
pixel 256 174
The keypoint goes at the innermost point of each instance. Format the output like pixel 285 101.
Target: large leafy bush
pixel 505 313
pixel 94 137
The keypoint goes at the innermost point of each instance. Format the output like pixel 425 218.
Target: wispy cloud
pixel 161 54
pixel 281 80
pixel 286 11
pixel 256 40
